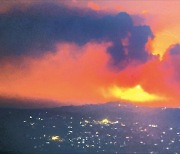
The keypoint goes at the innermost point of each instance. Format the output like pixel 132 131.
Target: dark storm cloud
pixel 175 49
pixel 174 54
pixel 37 28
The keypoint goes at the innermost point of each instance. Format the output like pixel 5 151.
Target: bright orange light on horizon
pixel 134 94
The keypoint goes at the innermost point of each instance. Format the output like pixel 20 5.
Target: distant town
pixel 110 128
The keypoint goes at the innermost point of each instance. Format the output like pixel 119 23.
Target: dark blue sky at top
pixel 38 28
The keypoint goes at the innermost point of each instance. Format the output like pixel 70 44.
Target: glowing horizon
pixel 133 94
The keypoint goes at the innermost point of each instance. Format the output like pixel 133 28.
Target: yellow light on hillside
pixel 105 121
pixel 56 138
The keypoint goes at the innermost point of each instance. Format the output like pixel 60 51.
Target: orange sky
pixel 85 77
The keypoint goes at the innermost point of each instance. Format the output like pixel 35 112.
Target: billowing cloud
pixel 37 28
pixel 75 77
pixel 172 60
pixel 175 49
pixel 80 74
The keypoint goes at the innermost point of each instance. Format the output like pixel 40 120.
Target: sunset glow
pixel 134 94
pixel 91 52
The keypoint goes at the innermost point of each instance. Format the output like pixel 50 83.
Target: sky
pixel 88 52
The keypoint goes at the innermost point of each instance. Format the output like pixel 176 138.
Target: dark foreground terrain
pixel 106 128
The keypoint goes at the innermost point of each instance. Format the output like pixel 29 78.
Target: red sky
pixel 79 74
